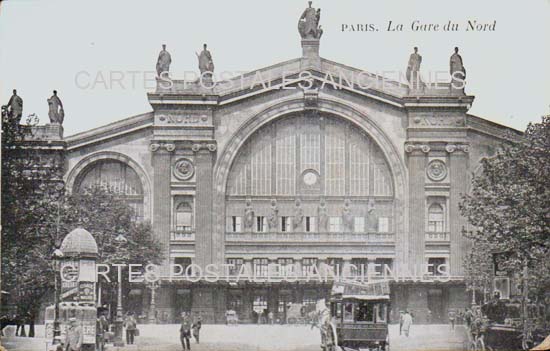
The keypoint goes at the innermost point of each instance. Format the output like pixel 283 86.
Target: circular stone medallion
pixel 184 169
pixel 437 170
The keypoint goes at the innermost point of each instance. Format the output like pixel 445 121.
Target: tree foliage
pixel 37 214
pixel 508 206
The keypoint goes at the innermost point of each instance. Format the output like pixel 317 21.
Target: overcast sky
pixel 45 44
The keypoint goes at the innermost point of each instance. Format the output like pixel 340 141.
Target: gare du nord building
pixel 249 174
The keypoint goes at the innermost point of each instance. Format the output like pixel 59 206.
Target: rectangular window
pixel 285 224
pixel 184 262
pixel 335 265
pixel 359 267
pixel 383 224
pixel 307 266
pixel 286 266
pixel 260 267
pixel 434 264
pixel 381 264
pixel 309 224
pixel 235 224
pixel 348 312
pixel 335 224
pixel 236 264
pixel 261 224
pixel 359 224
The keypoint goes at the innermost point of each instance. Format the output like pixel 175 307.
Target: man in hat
pixel 73 341
pixel 185 331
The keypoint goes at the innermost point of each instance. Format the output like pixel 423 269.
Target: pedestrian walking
pixel 102 327
pixel 197 325
pixel 401 314
pixel 73 340
pixel 407 323
pixel 452 318
pixel 468 318
pixel 270 317
pixel 131 326
pixel 185 332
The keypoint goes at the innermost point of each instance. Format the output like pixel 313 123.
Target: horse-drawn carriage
pixel 358 317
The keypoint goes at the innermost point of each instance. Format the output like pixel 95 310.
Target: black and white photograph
pixel 275 175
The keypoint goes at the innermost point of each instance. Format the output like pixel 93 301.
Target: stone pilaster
pixel 417 202
pixel 204 207
pixel 161 154
pixel 459 186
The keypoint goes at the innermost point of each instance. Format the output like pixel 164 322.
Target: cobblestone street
pixel 261 338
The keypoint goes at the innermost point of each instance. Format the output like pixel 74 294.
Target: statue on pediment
pixel 56 112
pixel 273 215
pixel 308 24
pixel 248 215
pixel 164 61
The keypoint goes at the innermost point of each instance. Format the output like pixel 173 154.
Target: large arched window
pixel 325 162
pixel 302 155
pixel 116 176
pixel 436 218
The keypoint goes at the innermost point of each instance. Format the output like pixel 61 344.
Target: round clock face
pixel 310 178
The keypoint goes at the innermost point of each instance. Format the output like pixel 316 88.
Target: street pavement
pixel 260 338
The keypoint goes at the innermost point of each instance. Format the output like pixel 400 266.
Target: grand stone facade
pixel 251 174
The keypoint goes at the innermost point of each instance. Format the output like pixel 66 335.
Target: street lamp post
pixel 57 255
pixel 153 286
pixel 119 340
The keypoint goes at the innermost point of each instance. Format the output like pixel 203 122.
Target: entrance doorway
pixel 436 306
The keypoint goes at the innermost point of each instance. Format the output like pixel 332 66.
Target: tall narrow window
pixel 235 266
pixel 235 224
pixel 359 224
pixel 308 265
pixel 261 224
pixel 436 218
pixel 309 224
pixel 335 224
pixel 184 217
pixel 261 266
pixel 286 223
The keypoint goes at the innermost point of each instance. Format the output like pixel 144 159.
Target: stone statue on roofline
pixel 163 62
pixel 14 108
pixel 308 24
pixel 413 68
pixel 206 64
pixel 457 70
pixel 56 112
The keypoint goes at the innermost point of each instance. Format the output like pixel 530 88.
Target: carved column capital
pixel 411 147
pixel 212 147
pixel 167 146
pixel 450 148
